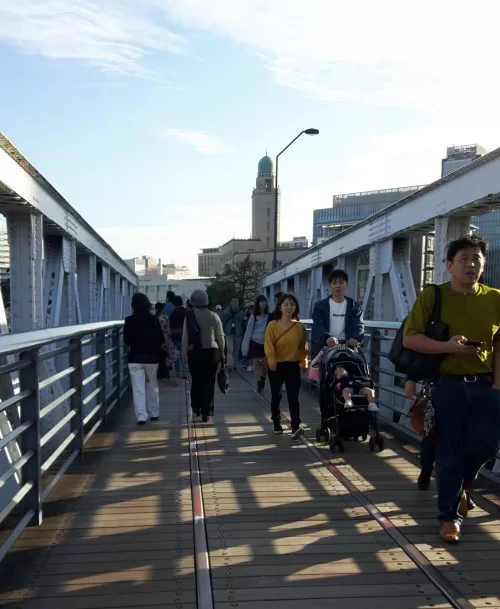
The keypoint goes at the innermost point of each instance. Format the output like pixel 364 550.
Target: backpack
pixel 421 365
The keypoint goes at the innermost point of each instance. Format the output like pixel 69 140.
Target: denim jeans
pixel 428 452
pixel 468 436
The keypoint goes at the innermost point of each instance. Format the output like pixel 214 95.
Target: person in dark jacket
pixel 144 337
pixel 176 319
pixel 337 318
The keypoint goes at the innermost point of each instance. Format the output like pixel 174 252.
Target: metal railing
pixel 58 388
pixel 394 406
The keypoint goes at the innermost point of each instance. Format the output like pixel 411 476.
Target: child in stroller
pixel 347 385
pixel 347 401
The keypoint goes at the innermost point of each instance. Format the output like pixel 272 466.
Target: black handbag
pixel 421 365
pixel 223 378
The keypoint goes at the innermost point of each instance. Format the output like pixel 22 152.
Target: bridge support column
pixel 68 304
pixel 304 292
pixel 447 229
pixel 390 281
pixel 25 232
pixel 351 268
pixel 87 288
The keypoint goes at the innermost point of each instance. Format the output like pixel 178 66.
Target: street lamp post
pixel 275 246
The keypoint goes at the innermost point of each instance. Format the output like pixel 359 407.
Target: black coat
pixel 144 337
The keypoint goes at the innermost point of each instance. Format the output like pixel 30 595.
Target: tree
pixel 240 281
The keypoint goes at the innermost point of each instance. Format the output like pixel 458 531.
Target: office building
pixel 349 209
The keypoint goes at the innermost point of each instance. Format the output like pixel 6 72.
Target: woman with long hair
pixel 285 345
pixel 203 349
pixel 253 341
pixel 144 337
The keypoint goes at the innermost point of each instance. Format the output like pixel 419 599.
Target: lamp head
pixel 311 131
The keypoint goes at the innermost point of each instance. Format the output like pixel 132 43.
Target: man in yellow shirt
pixel 466 397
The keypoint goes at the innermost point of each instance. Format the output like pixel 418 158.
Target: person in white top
pixel 337 319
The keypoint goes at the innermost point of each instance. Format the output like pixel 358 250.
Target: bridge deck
pixel 282 528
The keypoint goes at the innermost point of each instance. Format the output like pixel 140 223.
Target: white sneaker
pixel 373 407
pixel 348 404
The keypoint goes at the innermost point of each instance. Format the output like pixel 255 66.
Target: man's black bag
pixel 419 365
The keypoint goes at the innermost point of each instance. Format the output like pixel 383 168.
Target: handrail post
pixel 76 400
pixel 117 365
pixel 375 356
pixel 30 439
pixel 101 366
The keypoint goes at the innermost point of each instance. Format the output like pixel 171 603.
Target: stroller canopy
pixel 341 355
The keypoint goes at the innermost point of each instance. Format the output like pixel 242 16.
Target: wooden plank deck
pixel 282 530
pixel 129 542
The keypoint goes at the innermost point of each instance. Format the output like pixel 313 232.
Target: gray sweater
pixel 211 334
pixel 256 330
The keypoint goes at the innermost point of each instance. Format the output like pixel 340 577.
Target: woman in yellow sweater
pixel 285 346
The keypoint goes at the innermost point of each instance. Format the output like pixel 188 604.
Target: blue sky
pixel 150 116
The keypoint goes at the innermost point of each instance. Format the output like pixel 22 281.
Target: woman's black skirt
pixel 255 350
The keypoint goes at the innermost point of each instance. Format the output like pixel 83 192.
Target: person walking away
pixel 203 349
pixel 176 320
pixel 285 346
pixel 253 341
pixel 466 394
pixel 232 323
pixel 169 305
pixel 144 337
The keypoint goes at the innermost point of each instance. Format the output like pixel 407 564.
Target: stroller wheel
pixel 371 444
pixel 340 444
pixel 381 443
pixel 331 443
pixel 319 435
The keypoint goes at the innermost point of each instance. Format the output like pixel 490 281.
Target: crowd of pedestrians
pixel 465 388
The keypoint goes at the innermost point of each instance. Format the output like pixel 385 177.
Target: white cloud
pixel 114 36
pixel 203 142
pixel 437 55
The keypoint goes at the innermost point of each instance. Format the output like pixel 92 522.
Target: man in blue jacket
pixel 337 318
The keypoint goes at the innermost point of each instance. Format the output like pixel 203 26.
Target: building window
pixel 268 212
pixel 268 226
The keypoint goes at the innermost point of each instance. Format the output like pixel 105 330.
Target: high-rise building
pixel 209 262
pixel 4 254
pixel 487 226
pixel 460 156
pixel 263 203
pixel 349 209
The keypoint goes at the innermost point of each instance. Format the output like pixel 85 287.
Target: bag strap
pixel 436 309
pixel 285 332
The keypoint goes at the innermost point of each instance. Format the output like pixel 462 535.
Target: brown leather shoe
pixel 450 532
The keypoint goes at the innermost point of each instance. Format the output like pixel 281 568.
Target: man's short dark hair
pixel 170 296
pixel 177 301
pixel 278 295
pixel 464 243
pixel 338 274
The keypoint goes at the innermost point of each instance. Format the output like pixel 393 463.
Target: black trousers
pixel 203 364
pixel 289 374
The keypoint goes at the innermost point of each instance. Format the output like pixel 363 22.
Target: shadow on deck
pixel 281 529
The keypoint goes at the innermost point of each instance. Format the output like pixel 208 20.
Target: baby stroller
pixel 339 423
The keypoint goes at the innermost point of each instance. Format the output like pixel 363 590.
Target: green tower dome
pixel 266 165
